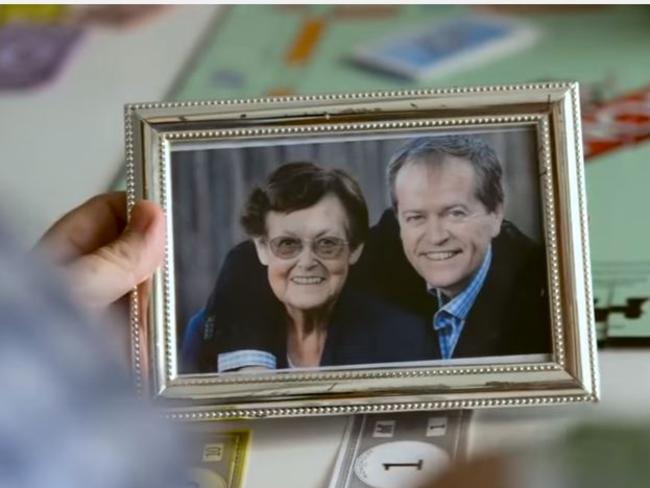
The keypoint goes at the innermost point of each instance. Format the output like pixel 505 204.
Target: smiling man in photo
pixel 486 277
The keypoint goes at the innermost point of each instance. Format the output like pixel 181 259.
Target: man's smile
pixel 439 255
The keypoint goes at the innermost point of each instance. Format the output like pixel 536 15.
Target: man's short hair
pixel 432 150
pixel 299 185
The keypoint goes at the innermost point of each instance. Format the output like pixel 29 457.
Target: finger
pixel 106 274
pixel 86 228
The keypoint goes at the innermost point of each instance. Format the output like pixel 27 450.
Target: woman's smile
pixel 307 280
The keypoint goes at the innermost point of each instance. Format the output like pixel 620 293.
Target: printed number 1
pixel 417 465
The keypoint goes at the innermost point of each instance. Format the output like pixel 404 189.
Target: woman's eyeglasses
pixel 285 247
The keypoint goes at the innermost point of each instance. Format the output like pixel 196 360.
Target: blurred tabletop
pixel 301 452
pixel 62 139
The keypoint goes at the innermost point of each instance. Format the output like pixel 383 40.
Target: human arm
pixel 67 396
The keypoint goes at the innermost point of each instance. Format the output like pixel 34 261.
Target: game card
pixel 443 48
pixel 218 459
pixel 401 449
pixel 34 54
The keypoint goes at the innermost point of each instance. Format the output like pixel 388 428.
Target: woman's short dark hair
pixel 298 185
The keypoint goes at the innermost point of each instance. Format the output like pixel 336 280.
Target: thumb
pixel 108 273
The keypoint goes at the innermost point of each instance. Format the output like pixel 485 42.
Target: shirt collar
pixel 460 305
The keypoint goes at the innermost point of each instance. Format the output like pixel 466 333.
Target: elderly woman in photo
pixel 307 227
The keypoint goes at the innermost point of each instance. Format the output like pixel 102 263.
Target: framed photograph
pixel 365 252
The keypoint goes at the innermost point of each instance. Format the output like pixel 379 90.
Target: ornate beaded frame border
pixel 551 108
